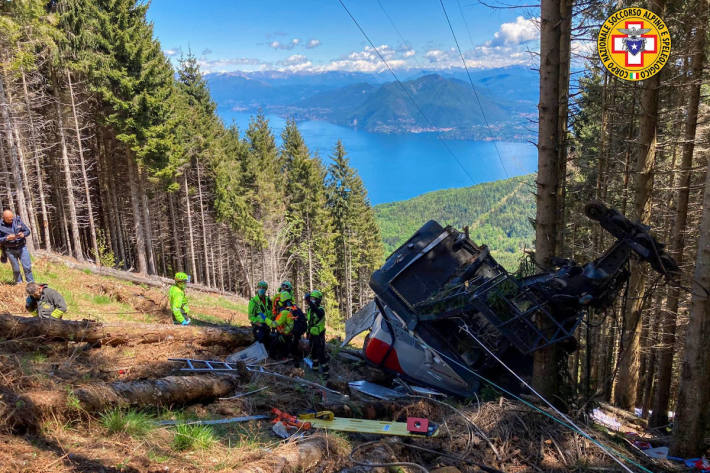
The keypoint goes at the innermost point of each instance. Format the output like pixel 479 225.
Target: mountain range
pixel 441 102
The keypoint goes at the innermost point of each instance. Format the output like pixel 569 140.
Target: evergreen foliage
pixel 497 213
pixel 118 128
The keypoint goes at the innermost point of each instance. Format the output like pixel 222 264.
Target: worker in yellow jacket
pixel 178 300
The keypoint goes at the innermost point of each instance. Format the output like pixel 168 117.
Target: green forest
pixel 498 215
pixel 118 158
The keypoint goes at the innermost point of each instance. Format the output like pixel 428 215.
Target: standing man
pixel 13 234
pixel 315 314
pixel 260 315
pixel 44 301
pixel 178 300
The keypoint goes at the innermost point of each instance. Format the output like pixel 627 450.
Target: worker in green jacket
pixel 178 300
pixel 44 301
pixel 260 315
pixel 315 315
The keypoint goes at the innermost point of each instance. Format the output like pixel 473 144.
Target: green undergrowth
pixel 193 437
pixel 132 422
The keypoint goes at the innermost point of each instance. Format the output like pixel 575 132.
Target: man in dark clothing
pixel 44 301
pixel 13 234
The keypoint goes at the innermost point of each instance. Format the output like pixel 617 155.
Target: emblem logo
pixel 634 44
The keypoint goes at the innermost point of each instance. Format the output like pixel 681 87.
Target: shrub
pixel 189 436
pixel 133 423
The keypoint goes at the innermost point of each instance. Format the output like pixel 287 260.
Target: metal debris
pixel 254 353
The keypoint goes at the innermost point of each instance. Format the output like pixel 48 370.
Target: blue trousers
pixel 19 256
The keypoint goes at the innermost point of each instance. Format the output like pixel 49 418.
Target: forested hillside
pixel 497 213
pixel 111 155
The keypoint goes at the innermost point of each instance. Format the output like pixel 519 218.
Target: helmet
pixel 262 284
pixel 180 277
pixel 284 297
pixel 316 294
pixel 286 286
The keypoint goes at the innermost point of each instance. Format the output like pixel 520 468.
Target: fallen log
pixel 294 456
pixel 13 326
pixel 624 415
pixel 29 408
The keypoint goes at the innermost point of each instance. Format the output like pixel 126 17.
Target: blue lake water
pixel 398 167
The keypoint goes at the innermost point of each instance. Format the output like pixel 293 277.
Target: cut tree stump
pixel 13 326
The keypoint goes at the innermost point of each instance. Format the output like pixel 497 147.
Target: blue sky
pixel 318 35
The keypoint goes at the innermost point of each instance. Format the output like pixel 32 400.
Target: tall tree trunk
pixel 563 91
pixel 691 421
pixel 147 224
pixel 136 203
pixel 38 170
pixel 202 221
pixel 193 267
pixel 82 165
pixel 3 169
pixel 661 399
pixel 66 168
pixel 177 257
pixel 545 366
pixel 627 381
pixel 14 151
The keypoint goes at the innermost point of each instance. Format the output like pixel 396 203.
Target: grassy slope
pixel 497 213
pixel 107 299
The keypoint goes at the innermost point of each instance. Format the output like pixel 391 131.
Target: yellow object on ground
pixel 327 420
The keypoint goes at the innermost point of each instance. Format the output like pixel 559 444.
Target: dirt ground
pixel 504 435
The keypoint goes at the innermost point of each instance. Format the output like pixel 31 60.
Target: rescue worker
pixel 277 305
pixel 44 301
pixel 260 315
pixel 290 326
pixel 315 315
pixel 178 300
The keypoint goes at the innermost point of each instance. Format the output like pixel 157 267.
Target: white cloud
pixel 170 52
pixel 289 45
pixel 231 64
pixel 521 31
pixel 409 53
pixel 313 43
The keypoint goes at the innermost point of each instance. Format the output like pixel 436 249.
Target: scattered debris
pixel 375 390
pixel 238 396
pixel 253 354
pixel 230 420
pixel 261 370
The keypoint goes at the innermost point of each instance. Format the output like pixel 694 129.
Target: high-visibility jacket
pixel 284 322
pixel 178 303
pixel 316 320
pixel 50 304
pixel 259 310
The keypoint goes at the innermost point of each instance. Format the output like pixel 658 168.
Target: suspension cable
pixel 406 91
pixel 475 93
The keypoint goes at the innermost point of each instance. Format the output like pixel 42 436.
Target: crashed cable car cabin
pixel 440 288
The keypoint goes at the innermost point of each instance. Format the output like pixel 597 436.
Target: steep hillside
pixel 497 213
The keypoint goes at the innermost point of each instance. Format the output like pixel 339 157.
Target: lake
pixel 398 167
